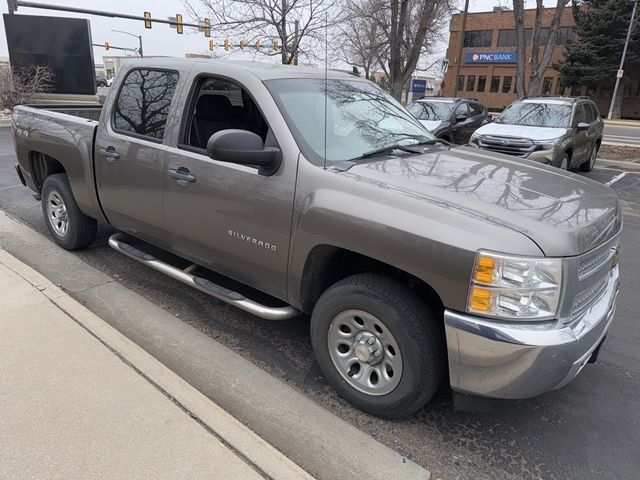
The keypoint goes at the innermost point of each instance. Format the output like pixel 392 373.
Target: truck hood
pixel 521 131
pixel 563 213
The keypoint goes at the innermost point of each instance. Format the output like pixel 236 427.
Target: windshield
pixel 431 110
pixel 537 114
pixel 361 117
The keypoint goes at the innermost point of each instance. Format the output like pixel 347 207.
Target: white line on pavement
pixel 615 179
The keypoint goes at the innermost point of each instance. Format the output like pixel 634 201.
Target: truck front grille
pixel 518 147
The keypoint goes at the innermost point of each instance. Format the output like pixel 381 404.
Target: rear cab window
pixel 142 106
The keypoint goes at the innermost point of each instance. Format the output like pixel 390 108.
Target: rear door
pixel 463 129
pixel 129 152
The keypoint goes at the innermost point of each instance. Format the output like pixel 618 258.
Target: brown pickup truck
pixel 282 191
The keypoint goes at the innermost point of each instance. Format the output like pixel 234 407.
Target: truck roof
pixel 262 70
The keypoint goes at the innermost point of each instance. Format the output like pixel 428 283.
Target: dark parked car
pixel 101 81
pixel 452 119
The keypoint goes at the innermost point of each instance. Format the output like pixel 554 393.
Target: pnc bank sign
pixel 490 57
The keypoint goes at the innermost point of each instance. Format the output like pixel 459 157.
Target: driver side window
pixel 219 104
pixel 461 109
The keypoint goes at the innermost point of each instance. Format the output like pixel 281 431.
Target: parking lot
pixel 588 429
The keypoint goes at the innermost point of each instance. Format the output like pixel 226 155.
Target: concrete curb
pixel 5 123
pixel 322 444
pixel 623 123
pixel 630 166
pixel 253 448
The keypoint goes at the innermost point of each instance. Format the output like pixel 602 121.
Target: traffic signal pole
pixel 624 54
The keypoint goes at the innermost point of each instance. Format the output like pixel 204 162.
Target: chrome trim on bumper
pixel 510 360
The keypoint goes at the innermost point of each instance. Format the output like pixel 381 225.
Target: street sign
pixel 620 73
pixel 445 65
pixel 418 85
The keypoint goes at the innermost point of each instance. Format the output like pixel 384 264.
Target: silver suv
pixel 560 131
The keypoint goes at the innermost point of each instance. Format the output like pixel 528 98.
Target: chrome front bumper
pixel 510 361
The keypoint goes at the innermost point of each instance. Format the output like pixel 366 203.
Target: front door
pixel 225 216
pixel 129 153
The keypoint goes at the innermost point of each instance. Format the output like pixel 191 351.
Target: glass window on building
pixel 495 84
pixel 559 88
pixel 507 38
pixel 482 83
pixel 565 35
pixel 471 83
pixel 460 83
pixel 547 84
pixel 478 38
pixel 506 84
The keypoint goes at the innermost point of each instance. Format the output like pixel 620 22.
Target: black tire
pixel 102 84
pixel 81 230
pixel 589 164
pixel 417 333
pixel 565 158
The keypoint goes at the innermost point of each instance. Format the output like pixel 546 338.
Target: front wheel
pixel 71 229
pixel 378 345
pixel 564 162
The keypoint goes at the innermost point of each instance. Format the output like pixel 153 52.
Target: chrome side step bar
pixel 117 241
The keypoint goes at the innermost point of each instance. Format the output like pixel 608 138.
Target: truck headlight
pixel 515 288
pixel 473 141
pixel 546 144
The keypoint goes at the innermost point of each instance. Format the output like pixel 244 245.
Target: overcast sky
pixel 161 39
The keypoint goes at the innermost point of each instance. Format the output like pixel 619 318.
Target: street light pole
pixel 624 54
pixel 139 37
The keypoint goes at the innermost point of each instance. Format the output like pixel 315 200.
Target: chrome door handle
pixel 109 153
pixel 182 175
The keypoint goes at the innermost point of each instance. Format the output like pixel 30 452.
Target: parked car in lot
pixel 418 262
pixel 452 119
pixel 560 131
pixel 101 81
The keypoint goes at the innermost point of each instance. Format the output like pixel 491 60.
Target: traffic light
pixel 242 44
pixel 179 23
pixel 258 45
pixel 207 27
pixel 147 19
pixel 212 45
pixel 106 45
pixel 226 44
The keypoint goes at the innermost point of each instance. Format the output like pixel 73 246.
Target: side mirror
pixel 582 127
pixel 460 117
pixel 244 148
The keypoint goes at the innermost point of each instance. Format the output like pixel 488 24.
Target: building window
pixel 559 88
pixel 565 35
pixel 547 83
pixel 507 38
pixel 478 38
pixel 495 84
pixel 482 81
pixel 471 83
pixel 506 84
pixel 460 85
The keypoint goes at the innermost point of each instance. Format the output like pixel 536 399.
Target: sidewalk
pixel 79 400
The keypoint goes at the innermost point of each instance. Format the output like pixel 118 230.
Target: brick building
pixel 488 64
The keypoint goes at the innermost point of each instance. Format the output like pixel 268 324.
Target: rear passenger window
pixel 142 106
pixel 475 109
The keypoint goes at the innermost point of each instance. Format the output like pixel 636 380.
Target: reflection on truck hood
pixel 521 131
pixel 565 214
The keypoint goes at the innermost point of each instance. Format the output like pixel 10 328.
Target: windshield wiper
pixel 389 149
pixel 433 141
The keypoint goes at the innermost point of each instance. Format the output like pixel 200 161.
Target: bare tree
pixel 408 29
pixel 19 85
pixel 360 38
pixel 298 25
pixel 538 65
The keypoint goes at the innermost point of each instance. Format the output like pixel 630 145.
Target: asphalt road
pixel 622 134
pixel 587 430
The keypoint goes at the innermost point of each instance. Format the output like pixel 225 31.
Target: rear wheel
pixel 378 345
pixel 71 229
pixel 589 164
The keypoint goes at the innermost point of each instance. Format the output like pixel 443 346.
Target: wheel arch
pixel 327 264
pixel 43 166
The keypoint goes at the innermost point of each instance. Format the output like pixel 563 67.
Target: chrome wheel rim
pixel 594 155
pixel 57 213
pixel 365 352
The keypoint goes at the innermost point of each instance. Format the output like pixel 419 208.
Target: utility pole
pixel 296 33
pixel 459 58
pixel 624 54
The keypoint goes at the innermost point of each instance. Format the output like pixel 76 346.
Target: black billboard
pixel 64 44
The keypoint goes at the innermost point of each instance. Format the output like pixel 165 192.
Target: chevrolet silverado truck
pixel 285 191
